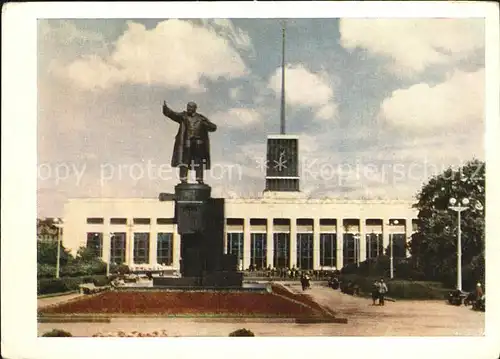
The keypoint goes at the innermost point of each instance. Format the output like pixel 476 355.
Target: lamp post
pixel 370 238
pixel 391 250
pixel 58 225
pixel 356 248
pixel 369 244
pixel 111 234
pixel 459 209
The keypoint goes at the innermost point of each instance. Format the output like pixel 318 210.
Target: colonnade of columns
pixel 153 229
pixel 357 227
pixel 316 231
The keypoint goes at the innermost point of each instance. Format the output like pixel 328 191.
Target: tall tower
pixel 282 150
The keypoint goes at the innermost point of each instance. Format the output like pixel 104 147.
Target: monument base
pixel 220 279
pixel 200 222
pixel 224 279
pixel 182 282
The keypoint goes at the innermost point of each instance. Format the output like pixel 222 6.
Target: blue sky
pixel 379 104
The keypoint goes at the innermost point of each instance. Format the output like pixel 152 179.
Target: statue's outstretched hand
pixel 165 108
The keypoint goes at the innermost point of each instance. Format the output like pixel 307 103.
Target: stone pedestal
pixel 191 207
pixel 200 223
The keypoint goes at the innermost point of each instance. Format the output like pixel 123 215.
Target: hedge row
pixel 405 270
pixel 67 284
pixel 79 269
pixel 400 289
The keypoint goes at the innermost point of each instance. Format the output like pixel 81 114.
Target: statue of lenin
pixel 192 145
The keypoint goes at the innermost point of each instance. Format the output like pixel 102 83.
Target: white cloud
pixel 413 45
pixel 306 89
pixel 93 72
pixel 175 54
pixel 224 27
pixel 327 112
pixel 238 117
pixel 253 150
pixel 308 144
pixel 235 93
pixel 65 32
pixel 457 101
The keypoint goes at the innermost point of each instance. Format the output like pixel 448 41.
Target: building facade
pixel 273 231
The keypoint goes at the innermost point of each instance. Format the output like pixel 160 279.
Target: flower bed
pixel 185 303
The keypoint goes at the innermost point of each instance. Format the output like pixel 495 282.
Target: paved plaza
pixel 400 318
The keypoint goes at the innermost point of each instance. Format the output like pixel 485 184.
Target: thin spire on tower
pixel 282 114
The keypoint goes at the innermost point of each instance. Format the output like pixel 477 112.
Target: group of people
pixel 379 291
pixel 474 298
pixel 289 273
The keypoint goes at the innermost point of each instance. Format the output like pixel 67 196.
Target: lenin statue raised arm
pixel 192 145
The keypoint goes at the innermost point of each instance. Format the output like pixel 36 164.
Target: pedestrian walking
pixel 303 282
pixel 375 292
pixel 479 291
pixel 382 292
pixel 308 281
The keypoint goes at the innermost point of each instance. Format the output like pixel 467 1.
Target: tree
pixel 46 229
pixel 433 247
pixel 86 254
pixel 47 253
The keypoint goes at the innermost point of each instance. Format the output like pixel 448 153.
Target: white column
pixel 176 257
pixel 340 243
pixel 225 236
pixel 246 243
pixel 362 239
pixel 130 242
pixel 106 241
pixel 385 234
pixel 270 242
pixel 132 246
pixel 293 242
pixel 153 243
pixel 316 245
pixel 409 231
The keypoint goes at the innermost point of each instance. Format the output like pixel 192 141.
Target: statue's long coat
pixel 179 154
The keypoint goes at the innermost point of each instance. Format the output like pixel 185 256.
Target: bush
pixel 242 333
pixel 46 270
pixel 100 281
pixel 57 333
pixel 350 268
pixel 380 267
pixel 54 285
pixel 123 269
pixel 416 290
pixel 67 284
pixel 400 289
pixel 84 268
pixel 86 254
